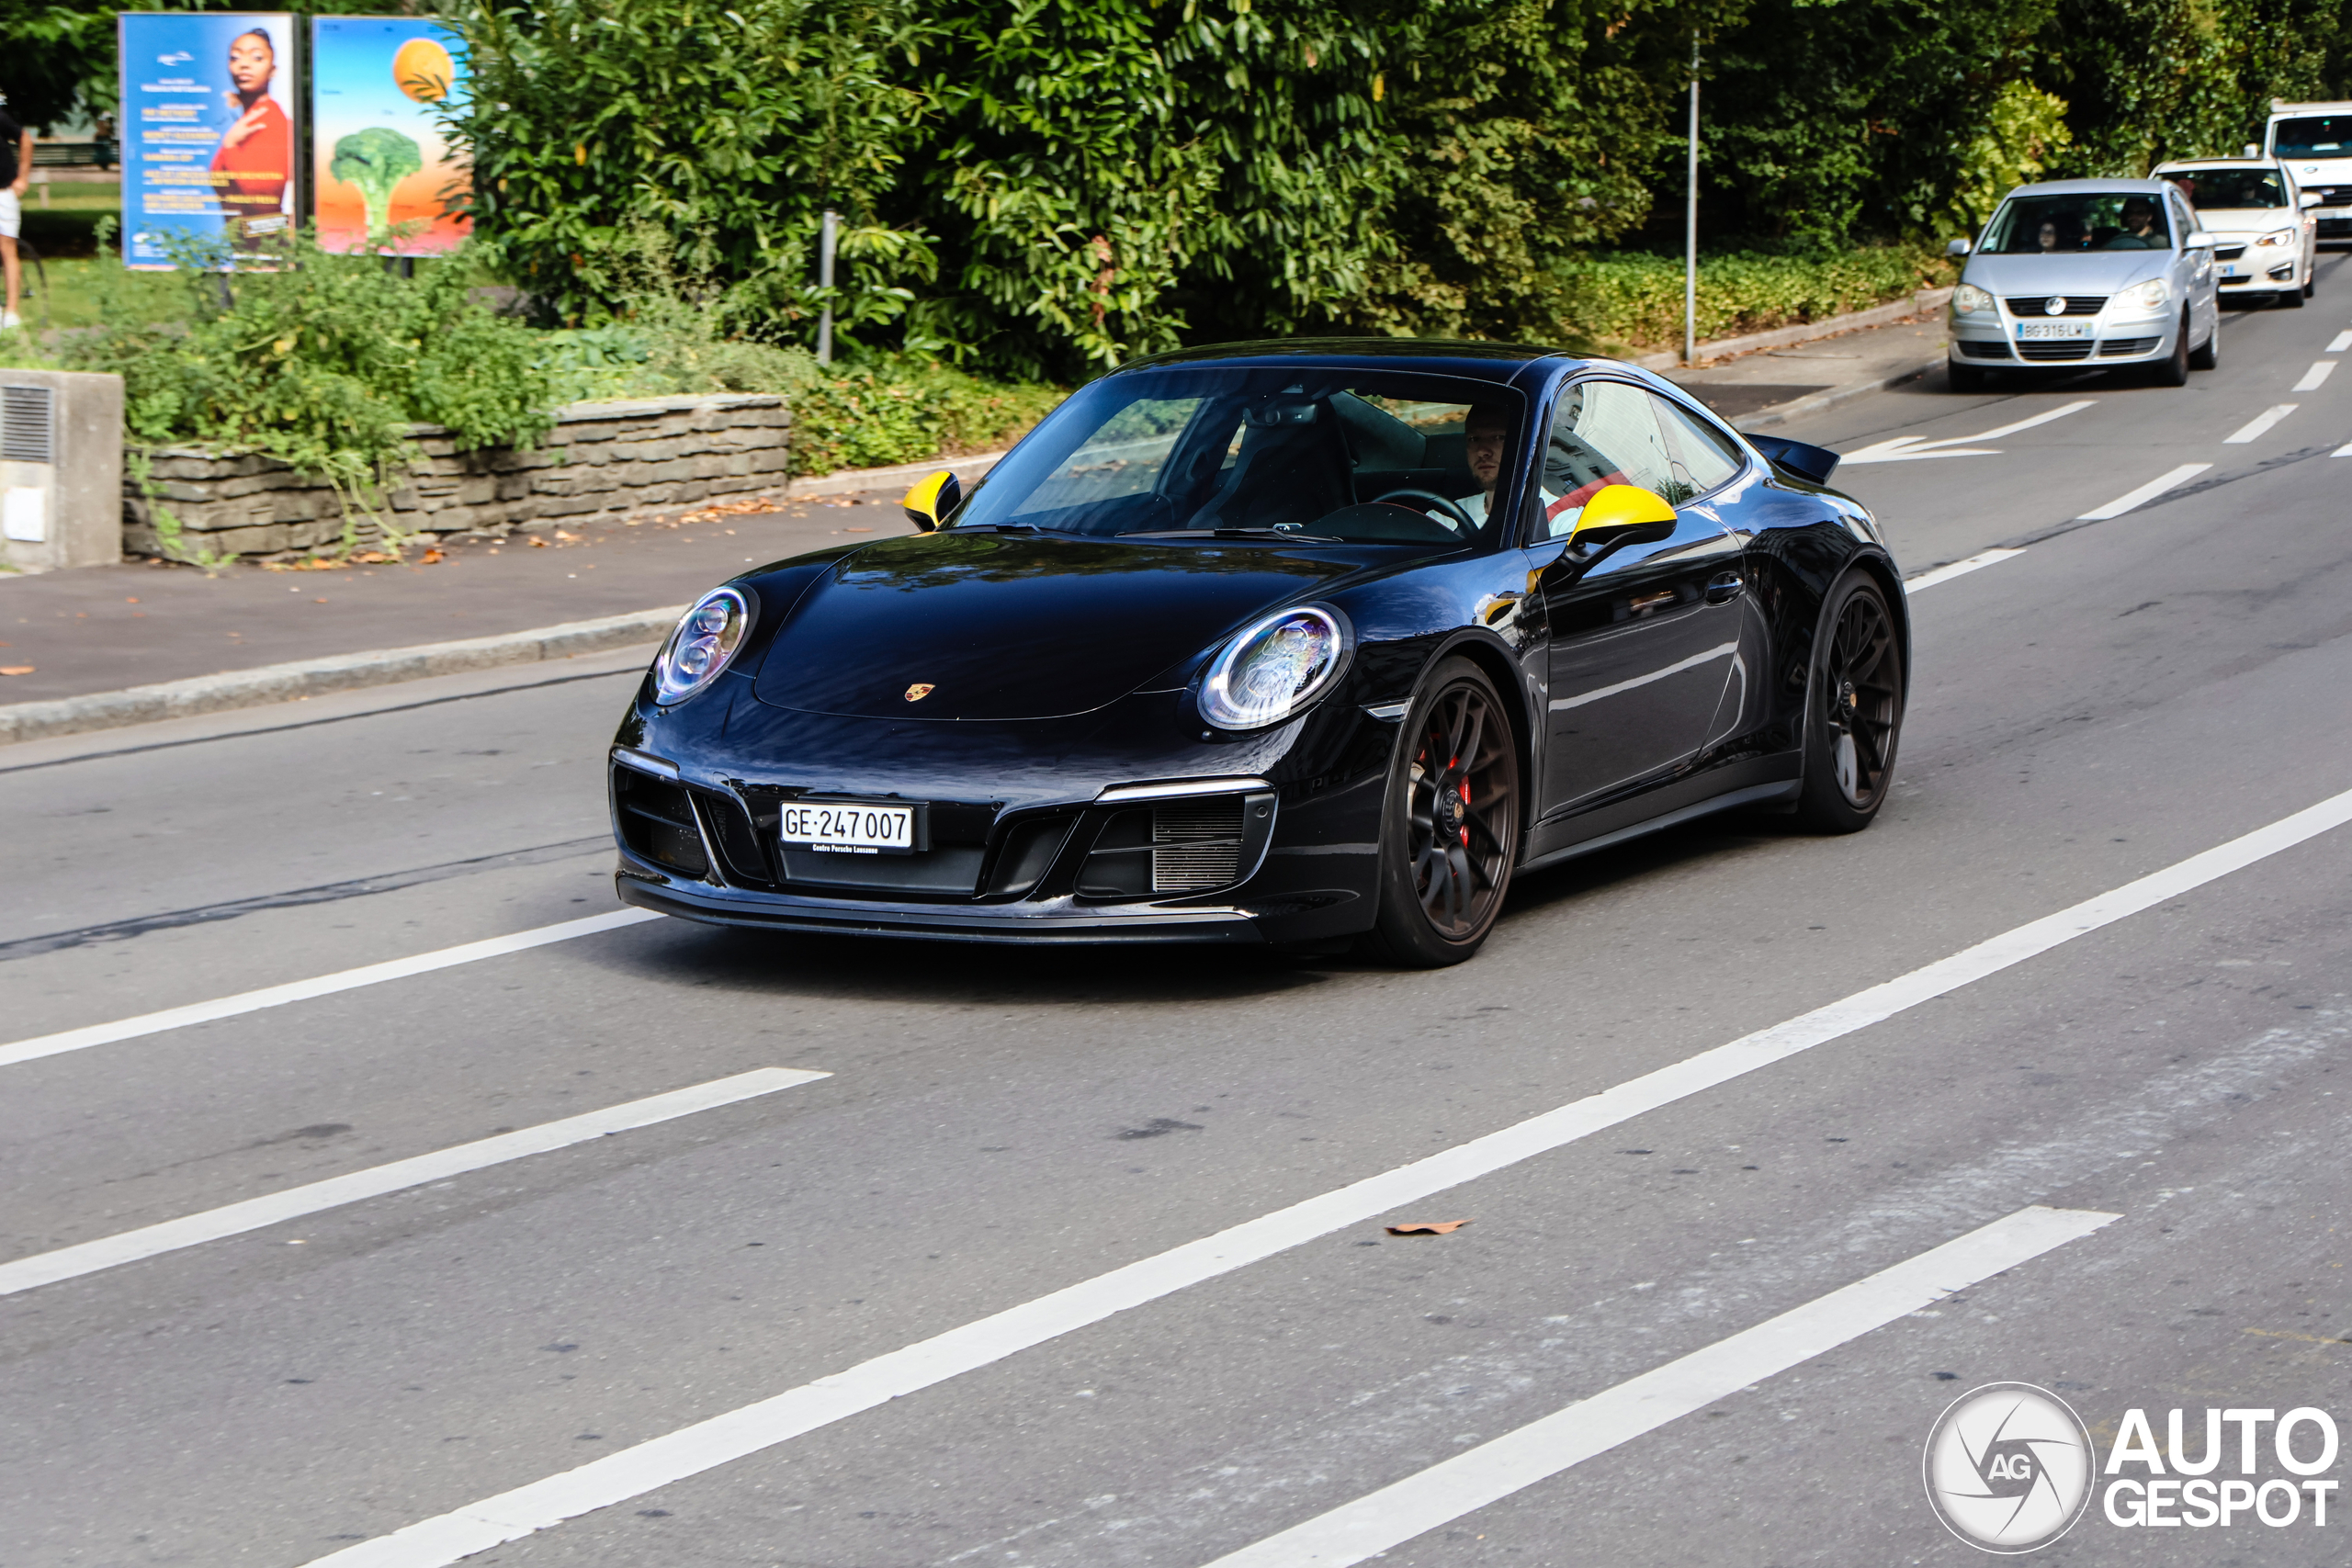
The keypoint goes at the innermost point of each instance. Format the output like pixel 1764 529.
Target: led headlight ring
pixel 703 645
pixel 1274 669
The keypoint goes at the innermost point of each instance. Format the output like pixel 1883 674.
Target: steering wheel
pixel 1453 509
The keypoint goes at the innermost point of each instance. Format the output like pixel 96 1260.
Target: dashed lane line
pixel 2341 342
pixel 690 1450
pixel 1445 1492
pixel 1945 573
pixel 2145 493
pixel 255 1213
pixel 319 986
pixel 2259 425
pixel 2316 377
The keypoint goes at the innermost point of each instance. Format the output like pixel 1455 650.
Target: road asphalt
pixel 955 1302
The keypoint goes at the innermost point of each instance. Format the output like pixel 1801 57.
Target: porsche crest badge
pixel 920 689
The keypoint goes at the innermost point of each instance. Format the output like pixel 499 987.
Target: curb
pixel 1922 302
pixel 317 677
pixel 843 482
pixel 1797 408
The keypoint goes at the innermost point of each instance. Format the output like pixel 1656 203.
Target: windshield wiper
pixel 1282 534
pixel 996 528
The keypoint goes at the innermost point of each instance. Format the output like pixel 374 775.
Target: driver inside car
pixel 1486 431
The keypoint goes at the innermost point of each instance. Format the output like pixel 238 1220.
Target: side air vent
pixel 1177 846
pixel 657 821
pixel 27 424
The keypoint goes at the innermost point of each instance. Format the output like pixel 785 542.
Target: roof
pixel 2257 163
pixel 1483 361
pixel 2092 187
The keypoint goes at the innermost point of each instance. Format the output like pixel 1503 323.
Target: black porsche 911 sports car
pixel 1282 643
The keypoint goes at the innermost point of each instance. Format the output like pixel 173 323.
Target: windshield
pixel 1299 452
pixel 2086 221
pixel 2317 136
pixel 2211 188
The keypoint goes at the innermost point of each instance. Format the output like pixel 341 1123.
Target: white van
pixel 2315 140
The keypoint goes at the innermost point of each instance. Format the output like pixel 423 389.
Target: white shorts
pixel 12 213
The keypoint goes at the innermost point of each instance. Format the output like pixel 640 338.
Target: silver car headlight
pixel 1274 669
pixel 703 644
pixel 2279 237
pixel 2152 295
pixel 1968 299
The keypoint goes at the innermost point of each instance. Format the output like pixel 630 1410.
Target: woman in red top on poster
pixel 256 158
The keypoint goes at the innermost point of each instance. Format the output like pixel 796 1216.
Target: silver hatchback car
pixel 2085 273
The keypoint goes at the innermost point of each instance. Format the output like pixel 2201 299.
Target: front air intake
pixel 1195 844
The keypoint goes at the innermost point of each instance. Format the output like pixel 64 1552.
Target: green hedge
pixel 1634 301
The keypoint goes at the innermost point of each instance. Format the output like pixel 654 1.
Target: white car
pixel 2314 142
pixel 2266 242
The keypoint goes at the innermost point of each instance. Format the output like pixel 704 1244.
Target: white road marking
pixel 1491 1471
pixel 234 1219
pixel 2341 342
pixel 2314 378
pixel 1721 651
pixel 322 986
pixel 1903 448
pixel 2342 452
pixel 1951 570
pixel 2145 493
pixel 2259 425
pixel 705 1445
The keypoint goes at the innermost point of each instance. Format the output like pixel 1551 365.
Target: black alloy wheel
pixel 1853 710
pixel 1449 832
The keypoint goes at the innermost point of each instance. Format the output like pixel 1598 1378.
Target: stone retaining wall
pixel 601 460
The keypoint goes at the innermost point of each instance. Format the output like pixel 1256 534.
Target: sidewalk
pixel 82 634
pixel 105 629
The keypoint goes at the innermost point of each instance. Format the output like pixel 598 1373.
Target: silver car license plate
pixel 849 827
pixel 2028 331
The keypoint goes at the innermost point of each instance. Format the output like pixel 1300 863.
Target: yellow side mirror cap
pixel 934 498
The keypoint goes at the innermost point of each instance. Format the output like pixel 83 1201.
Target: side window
pixel 2183 221
pixel 1704 457
pixel 1604 433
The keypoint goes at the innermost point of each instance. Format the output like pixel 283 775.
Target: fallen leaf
pixel 857 530
pixel 570 538
pixel 537 543
pixel 133 600
pixel 1427 1227
pixel 434 557
pixel 16 669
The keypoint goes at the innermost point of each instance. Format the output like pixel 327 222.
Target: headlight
pixel 703 645
pixel 2283 237
pixel 2152 295
pixel 1274 669
pixel 1967 299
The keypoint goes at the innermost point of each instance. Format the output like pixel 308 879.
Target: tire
pixel 2210 357
pixel 2290 298
pixel 1445 860
pixel 1853 710
pixel 2311 279
pixel 2173 369
pixel 1965 378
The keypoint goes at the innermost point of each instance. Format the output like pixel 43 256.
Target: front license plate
pixel 850 827
pixel 2028 331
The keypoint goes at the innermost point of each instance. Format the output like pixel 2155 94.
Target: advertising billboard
pixel 379 163
pixel 210 125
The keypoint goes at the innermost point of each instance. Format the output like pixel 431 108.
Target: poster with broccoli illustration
pixel 385 179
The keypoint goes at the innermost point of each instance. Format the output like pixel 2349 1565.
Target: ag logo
pixel 2009 1468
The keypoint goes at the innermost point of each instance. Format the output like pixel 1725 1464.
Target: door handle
pixel 1724 588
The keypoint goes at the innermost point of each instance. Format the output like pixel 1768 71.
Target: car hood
pixel 2080 272
pixel 1013 627
pixel 2246 220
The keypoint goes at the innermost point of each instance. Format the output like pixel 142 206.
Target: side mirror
pixel 932 500
pixel 2199 240
pixel 1801 458
pixel 1619 514
pixel 2312 198
pixel 1957 248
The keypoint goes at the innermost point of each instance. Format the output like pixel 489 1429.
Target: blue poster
pixel 211 132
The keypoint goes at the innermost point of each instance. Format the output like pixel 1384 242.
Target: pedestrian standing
pixel 15 173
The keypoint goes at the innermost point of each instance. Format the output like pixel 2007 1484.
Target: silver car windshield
pixel 2076 221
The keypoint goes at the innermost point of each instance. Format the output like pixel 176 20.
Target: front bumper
pixel 1983 342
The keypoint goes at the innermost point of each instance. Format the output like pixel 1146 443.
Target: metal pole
pixel 825 281
pixel 1690 225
